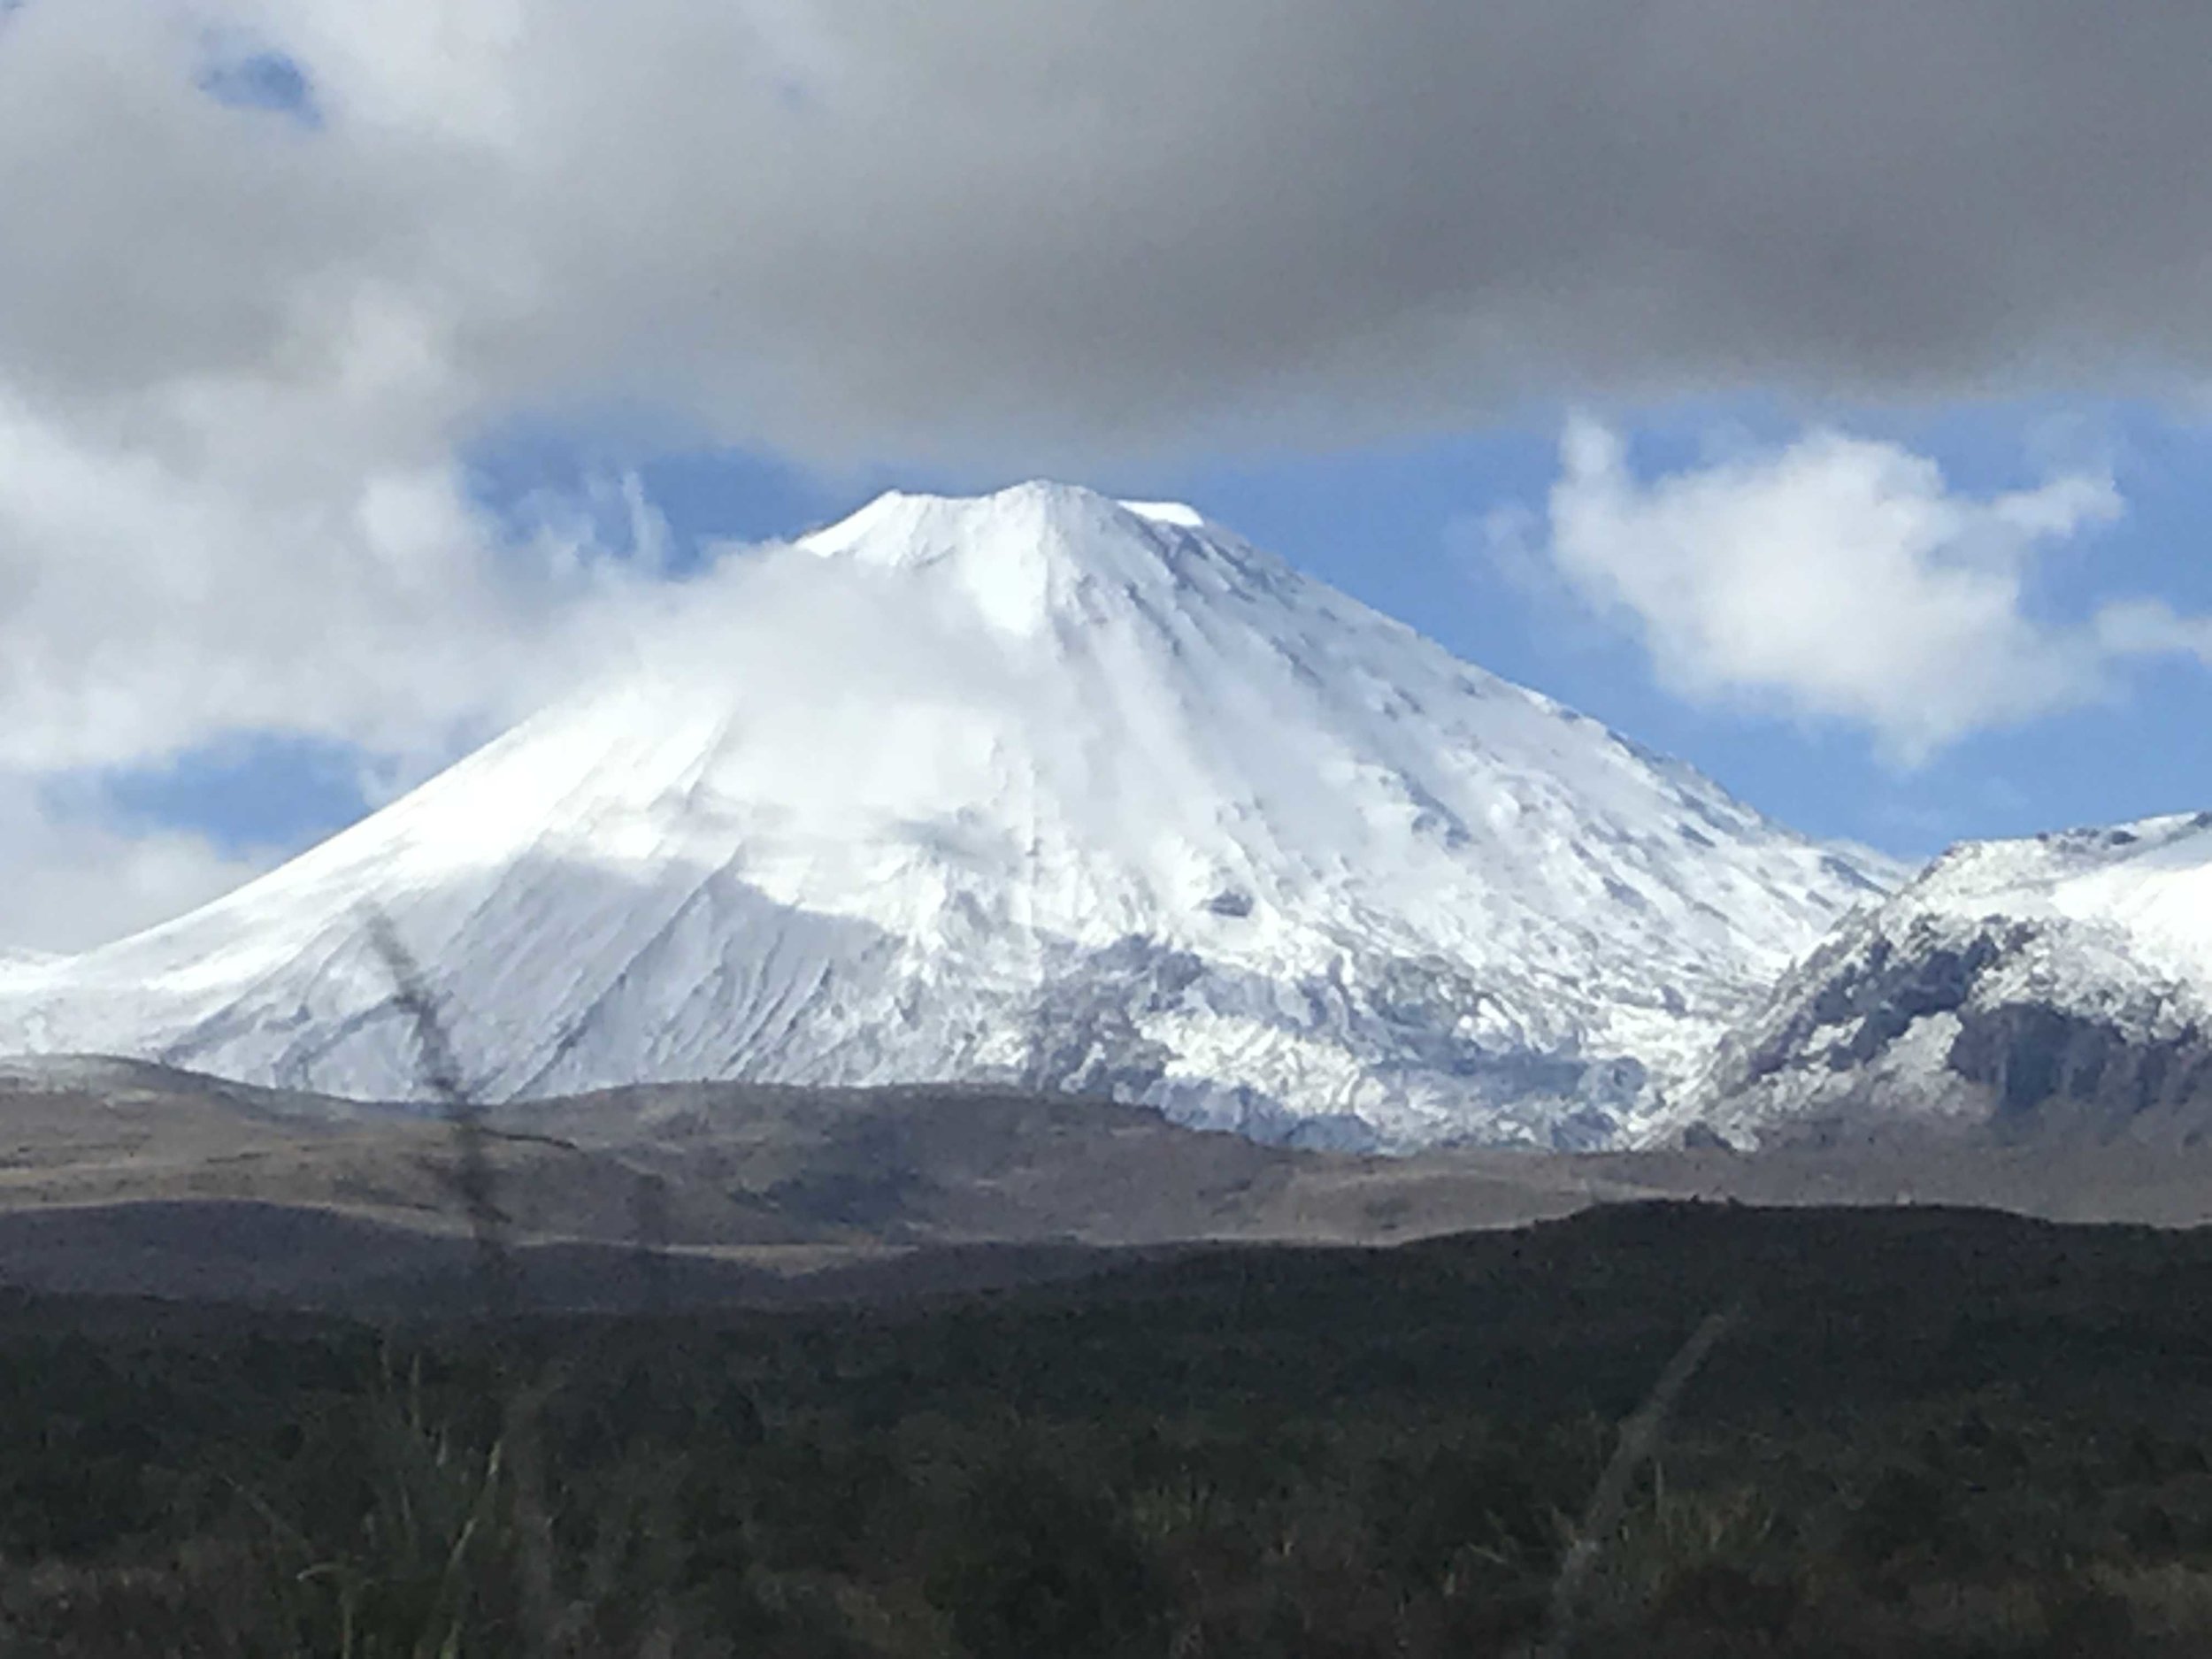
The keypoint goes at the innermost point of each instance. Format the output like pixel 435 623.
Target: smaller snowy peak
pixel 2151 881
pixel 2067 975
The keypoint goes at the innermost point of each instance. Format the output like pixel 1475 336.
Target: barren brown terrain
pixel 120 1177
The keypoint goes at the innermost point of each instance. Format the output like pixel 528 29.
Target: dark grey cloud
pixel 1094 220
pixel 981 225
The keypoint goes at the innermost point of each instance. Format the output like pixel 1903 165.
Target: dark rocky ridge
pixel 2013 1067
pixel 2045 1066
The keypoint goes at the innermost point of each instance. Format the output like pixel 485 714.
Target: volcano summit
pixel 1038 789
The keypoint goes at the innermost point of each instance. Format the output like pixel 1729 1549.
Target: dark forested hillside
pixel 1925 1431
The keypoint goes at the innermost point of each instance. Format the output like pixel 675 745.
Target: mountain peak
pixel 901 526
pixel 1036 788
pixel 1025 555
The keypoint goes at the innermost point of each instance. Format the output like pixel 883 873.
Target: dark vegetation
pixel 1923 1432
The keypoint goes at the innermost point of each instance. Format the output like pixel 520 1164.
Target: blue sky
pixel 1821 402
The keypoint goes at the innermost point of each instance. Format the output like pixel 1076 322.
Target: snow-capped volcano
pixel 1038 787
pixel 2063 983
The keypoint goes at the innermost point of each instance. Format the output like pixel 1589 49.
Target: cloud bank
pixel 1842 578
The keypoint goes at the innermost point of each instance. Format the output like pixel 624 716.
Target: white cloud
pixel 75 881
pixel 1844 578
pixel 146 608
pixel 152 605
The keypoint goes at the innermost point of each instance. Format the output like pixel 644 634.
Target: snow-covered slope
pixel 2059 983
pixel 1037 787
